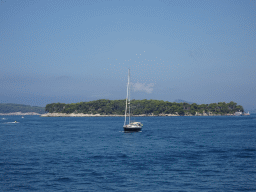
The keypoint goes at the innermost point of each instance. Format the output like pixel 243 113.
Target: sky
pixel 80 50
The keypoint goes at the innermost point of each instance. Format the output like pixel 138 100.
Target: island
pixel 19 109
pixel 115 108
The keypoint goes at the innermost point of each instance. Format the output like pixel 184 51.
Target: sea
pixel 216 153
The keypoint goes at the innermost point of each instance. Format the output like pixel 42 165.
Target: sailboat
pixel 128 125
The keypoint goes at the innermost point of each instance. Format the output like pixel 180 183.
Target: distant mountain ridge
pixel 12 107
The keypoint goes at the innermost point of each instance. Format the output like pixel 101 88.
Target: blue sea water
pixel 94 154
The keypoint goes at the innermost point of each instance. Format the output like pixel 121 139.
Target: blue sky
pixel 73 51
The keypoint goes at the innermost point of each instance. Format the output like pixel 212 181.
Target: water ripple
pixel 94 154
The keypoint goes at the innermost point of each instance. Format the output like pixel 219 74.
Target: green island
pixel 104 107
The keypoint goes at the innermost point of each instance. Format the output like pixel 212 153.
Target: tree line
pixel 147 107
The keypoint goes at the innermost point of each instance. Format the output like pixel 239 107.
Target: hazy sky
pixel 73 51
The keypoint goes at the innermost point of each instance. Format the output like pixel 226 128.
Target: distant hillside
pixel 11 107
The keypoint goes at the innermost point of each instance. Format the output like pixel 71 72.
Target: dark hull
pixel 132 129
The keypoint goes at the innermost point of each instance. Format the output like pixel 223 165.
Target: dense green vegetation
pixel 10 108
pixel 148 107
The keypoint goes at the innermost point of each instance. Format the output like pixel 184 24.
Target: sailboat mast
pixel 127 96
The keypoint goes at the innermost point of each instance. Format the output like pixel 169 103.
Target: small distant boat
pixel 22 117
pixel 130 126
pixel 12 122
pixel 247 113
pixel 238 113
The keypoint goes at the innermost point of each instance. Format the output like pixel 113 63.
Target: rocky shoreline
pixel 142 115
pixel 94 115
pixel 99 115
pixel 77 115
pixel 20 113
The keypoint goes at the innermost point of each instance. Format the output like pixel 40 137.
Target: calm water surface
pixel 94 154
